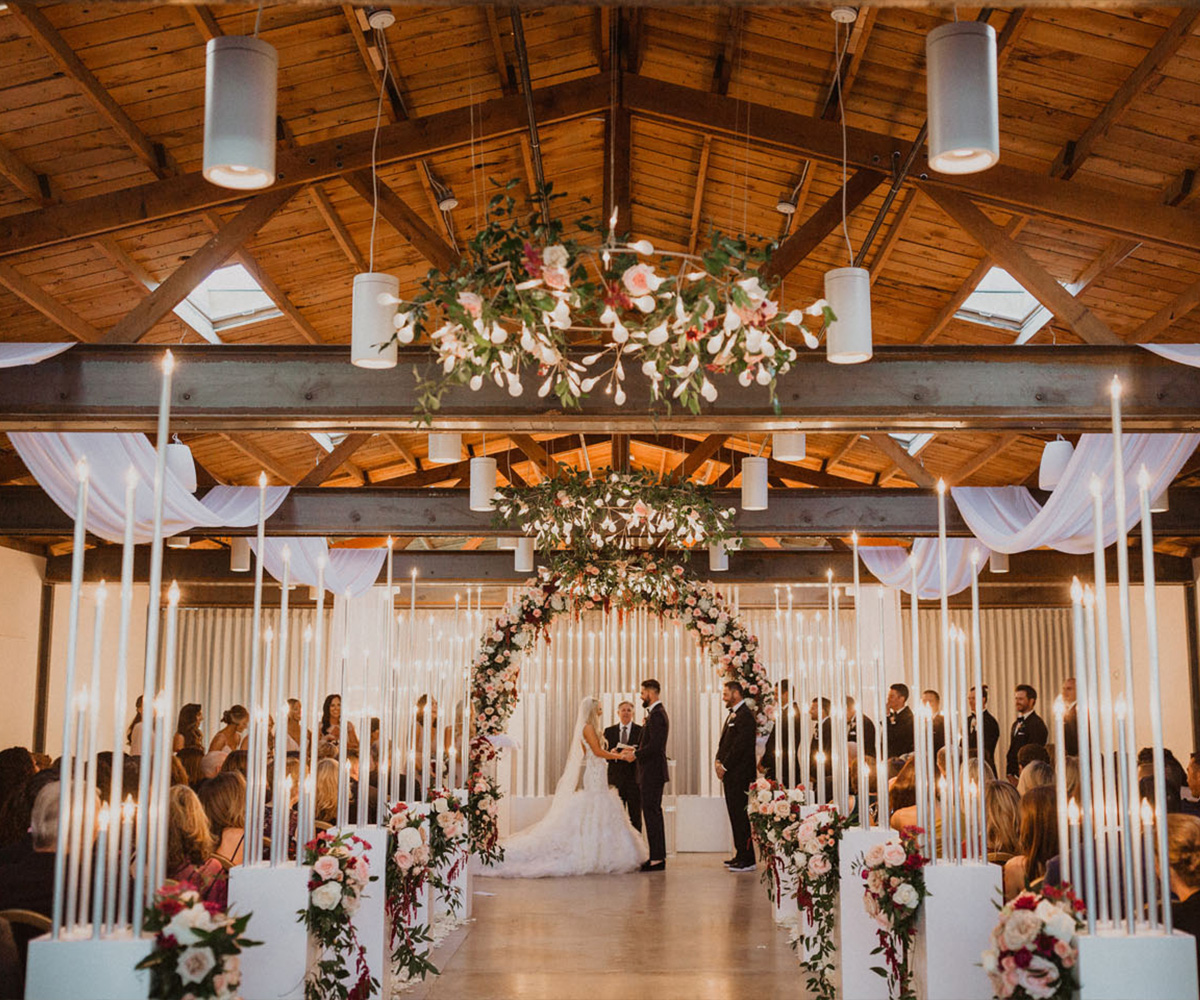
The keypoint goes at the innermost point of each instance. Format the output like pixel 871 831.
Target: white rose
pixel 408 839
pixel 764 796
pixel 1061 925
pixel 990 961
pixel 194 964
pixel 183 923
pixel 555 255
pixel 327 896
pixel 906 896
pixel 440 805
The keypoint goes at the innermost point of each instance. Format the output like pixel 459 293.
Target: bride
pixel 585 831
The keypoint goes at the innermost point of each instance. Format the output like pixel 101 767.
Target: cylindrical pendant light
pixel 998 562
pixel 523 557
pixel 445 447
pixel 962 103
pixel 848 338
pixel 239 555
pixel 372 320
pixel 178 542
pixel 789 446
pixel 314 593
pixel 181 465
pixel 239 112
pixel 1161 503
pixel 507 544
pixel 483 483
pixel 718 558
pixel 1055 458
pixel 754 484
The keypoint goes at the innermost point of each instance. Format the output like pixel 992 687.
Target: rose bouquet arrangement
pixel 815 862
pixel 339 872
pixel 774 812
pixel 1033 951
pixel 196 946
pixel 483 804
pixel 893 876
pixel 406 874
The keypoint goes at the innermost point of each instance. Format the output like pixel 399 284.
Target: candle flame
pixel 173 593
pixel 101 594
pixel 1115 387
pixel 262 480
pixel 129 809
pixel 168 363
pixel 1147 813
pixel 1073 812
pixel 1144 478
pixel 1119 709
pixel 131 478
pixel 854 538
pixel 1076 590
pixel 308 633
pixel 81 470
pixel 390 541
pixel 941 487
pixel 269 634
pixel 974 557
pixel 829 575
pixel 1095 485
pixel 1059 708
pixel 612 219
pixel 1089 597
pixel 103 818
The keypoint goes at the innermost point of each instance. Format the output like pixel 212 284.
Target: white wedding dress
pixel 586 831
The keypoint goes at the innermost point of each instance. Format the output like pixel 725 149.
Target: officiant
pixel 622 775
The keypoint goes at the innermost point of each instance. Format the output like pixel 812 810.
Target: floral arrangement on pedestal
pixel 196 946
pixel 339 872
pixel 774 811
pixel 448 844
pixel 815 861
pixel 1033 951
pixel 506 310
pixel 893 876
pixel 406 874
pixel 483 806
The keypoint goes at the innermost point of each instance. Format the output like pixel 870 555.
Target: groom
pixel 651 758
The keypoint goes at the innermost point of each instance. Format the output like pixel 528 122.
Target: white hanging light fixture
pixel 961 96
pixel 239 555
pixel 1161 503
pixel 848 338
pixel 483 483
pixel 523 556
pixel 998 562
pixel 445 447
pixel 178 542
pixel 239 112
pixel 507 544
pixel 789 446
pixel 181 464
pixel 1055 458
pixel 372 320
pixel 718 558
pixel 754 484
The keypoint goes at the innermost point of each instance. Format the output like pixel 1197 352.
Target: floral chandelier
pixel 523 295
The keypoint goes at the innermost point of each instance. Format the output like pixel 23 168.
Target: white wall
pixel 20 619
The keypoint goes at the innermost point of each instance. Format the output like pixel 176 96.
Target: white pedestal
pixel 83 969
pixel 275 970
pixel 370 919
pixel 953 930
pixel 785 908
pixel 857 930
pixel 701 825
pixel 1146 967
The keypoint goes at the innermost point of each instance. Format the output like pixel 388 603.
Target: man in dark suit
pixel 622 774
pixel 735 767
pixel 1028 729
pixel 934 701
pixel 899 721
pixel 1070 718
pixel 868 741
pixel 787 720
pixel 991 729
pixel 651 757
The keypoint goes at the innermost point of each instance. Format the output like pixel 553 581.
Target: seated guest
pixel 295 735
pixel 899 721
pixel 212 763
pixel 16 767
pixel 327 791
pixel 191 758
pixel 133 735
pixel 1003 821
pixel 1039 842
pixel 190 846
pixel 902 789
pixel 1183 851
pixel 991 729
pixel 232 734
pixel 1031 752
pixel 16 817
pixel 1035 774
pixel 28 883
pixel 238 760
pixel 331 725
pixel 1174 799
pixel 1027 728
pixel 188 732
pixel 179 775
pixel 224 800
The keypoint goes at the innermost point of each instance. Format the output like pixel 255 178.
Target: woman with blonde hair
pixel 1183 850
pixel 327 792
pixel 1003 821
pixel 190 845
pixel 224 799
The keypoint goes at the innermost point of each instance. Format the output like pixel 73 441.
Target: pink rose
pixel 472 303
pixel 327 868
pixel 640 279
pixel 894 854
pixel 556 278
pixel 403 860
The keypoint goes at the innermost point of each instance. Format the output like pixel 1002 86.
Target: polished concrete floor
pixel 693 933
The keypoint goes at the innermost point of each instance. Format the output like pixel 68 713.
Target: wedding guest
pixel 1031 752
pixel 190 758
pixel 133 735
pixel 190 846
pixel 16 767
pixel 867 743
pixel 1190 794
pixel 819 714
pixel 331 724
pixel 1003 821
pixel 1070 718
pixel 224 800
pixel 899 721
pixel 1183 853
pixel 212 763
pixel 1035 774
pixel 735 766
pixel 1039 842
pixel 179 775
pixel 15 816
pixel 931 699
pixel 787 713
pixel 232 734
pixel 296 741
pixel 327 792
pixel 237 760
pixel 902 789
pixel 187 730
pixel 991 729
pixel 622 774
pixel 28 882
pixel 1028 728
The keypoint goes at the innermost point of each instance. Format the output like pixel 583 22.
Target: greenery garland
pixel 405 875
pixel 447 844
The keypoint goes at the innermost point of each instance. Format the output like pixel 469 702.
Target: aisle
pixel 696 932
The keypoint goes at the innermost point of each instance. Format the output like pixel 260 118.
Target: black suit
pixel 622 775
pixel 791 764
pixel 1071 730
pixel 900 732
pixel 735 753
pixel 991 736
pixel 868 744
pixel 1025 732
pixel 652 774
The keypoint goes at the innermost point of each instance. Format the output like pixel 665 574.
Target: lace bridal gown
pixel 586 831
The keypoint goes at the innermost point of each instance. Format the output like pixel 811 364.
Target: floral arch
pixel 640 580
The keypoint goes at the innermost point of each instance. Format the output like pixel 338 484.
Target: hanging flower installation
pixel 523 295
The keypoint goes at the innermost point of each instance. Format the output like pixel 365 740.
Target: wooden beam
pixel 822 222
pixel 33 294
pixel 618 154
pixel 698 456
pixel 619 459
pixel 1111 256
pixel 277 295
pixel 401 217
pixel 966 471
pixel 28 181
pixel 908 464
pixel 263 458
pixel 894 470
pixel 698 195
pixel 604 37
pixel 879 261
pixel 335 459
pixel 205 23
pixel 856 46
pixel 141 319
pixel 405 452
pixel 1075 153
pixel 735 19
pixel 1017 262
pixel 504 69
pixel 536 454
pixel 373 60
pixel 338 228
pixel 839 456
pixel 1176 309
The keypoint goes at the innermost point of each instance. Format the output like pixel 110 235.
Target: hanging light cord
pixel 840 48
pixel 258 19
pixel 381 40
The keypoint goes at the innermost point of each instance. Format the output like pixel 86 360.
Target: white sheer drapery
pixel 1008 518
pixel 16 355
pixel 1184 354
pixel 352 571
pixel 890 565
pixel 52 459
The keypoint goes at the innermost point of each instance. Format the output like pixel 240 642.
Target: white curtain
pixel 52 458
pixel 1184 354
pixel 890 565
pixel 352 571
pixel 16 355
pixel 1008 519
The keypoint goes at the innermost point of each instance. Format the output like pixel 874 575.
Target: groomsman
pixel 991 729
pixel 622 775
pixel 1028 729
pixel 899 721
pixel 735 766
pixel 787 722
pixel 934 701
pixel 1070 718
pixel 652 773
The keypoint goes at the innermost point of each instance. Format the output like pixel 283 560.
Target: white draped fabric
pixel 890 565
pixel 16 355
pixel 1184 354
pixel 352 571
pixel 1009 519
pixel 52 459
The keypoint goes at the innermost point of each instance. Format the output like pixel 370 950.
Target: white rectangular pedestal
pixel 370 919
pixel 785 908
pixel 1146 967
pixel 85 969
pixel 275 970
pixel 857 930
pixel 702 825
pixel 953 930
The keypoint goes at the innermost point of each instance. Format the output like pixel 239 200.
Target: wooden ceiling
pixel 716 114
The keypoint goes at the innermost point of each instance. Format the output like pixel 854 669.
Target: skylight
pixel 230 297
pixel 1000 300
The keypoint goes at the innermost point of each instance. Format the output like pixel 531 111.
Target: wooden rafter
pixel 964 472
pixel 256 454
pixel 34 295
pixel 373 60
pixel 698 456
pixel 1111 256
pixel 28 181
pixel 337 227
pixel 333 461
pixel 698 195
pixel 907 463
pixel 856 47
pixel 404 451
pixel 401 217
pixel 1176 309
pixel 536 453
pixel 879 261
pixel 735 20
pixel 504 69
pixel 618 166
pixel 604 37
pixel 839 456
pixel 894 470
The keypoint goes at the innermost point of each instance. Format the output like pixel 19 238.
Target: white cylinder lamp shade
pixel 523 556
pixel 508 544
pixel 1056 456
pixel 963 106
pixel 178 542
pixel 239 555
pixel 718 558
pixel 789 446
pixel 239 112
pixel 1161 503
pixel 181 465
pixel 848 338
pixel 445 447
pixel 754 484
pixel 483 484
pixel 998 562
pixel 372 320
